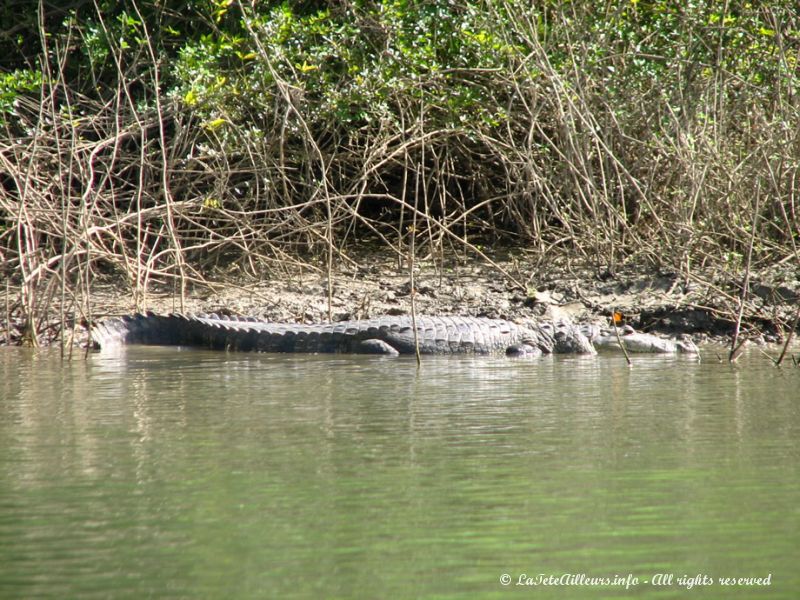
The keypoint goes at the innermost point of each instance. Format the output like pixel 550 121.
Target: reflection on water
pixel 181 473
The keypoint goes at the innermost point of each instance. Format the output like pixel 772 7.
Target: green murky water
pixel 169 473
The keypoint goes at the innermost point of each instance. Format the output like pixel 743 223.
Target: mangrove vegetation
pixel 161 141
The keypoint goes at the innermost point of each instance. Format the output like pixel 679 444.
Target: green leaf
pixel 215 124
pixel 305 67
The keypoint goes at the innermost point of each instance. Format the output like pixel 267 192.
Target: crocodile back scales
pixel 435 334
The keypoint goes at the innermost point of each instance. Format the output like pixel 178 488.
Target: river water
pixel 174 473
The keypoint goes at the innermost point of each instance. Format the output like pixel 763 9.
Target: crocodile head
pixel 643 342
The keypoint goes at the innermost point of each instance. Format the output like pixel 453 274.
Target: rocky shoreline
pixel 700 306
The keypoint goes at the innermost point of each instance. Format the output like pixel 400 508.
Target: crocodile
pixel 387 335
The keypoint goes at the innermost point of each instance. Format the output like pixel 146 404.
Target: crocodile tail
pixel 148 328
